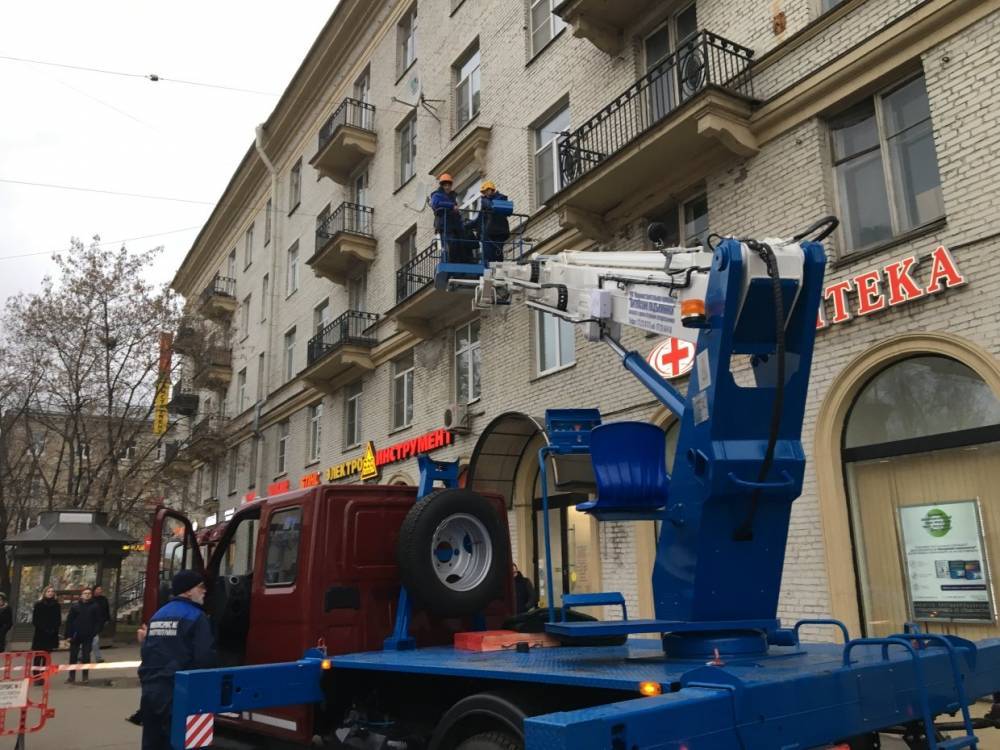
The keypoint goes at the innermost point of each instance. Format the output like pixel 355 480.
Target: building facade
pixel 318 345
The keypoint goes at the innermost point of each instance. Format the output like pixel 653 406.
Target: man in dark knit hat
pixel 178 637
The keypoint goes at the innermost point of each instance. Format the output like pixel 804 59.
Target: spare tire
pixel 453 553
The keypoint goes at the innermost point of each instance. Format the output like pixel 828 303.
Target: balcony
pixel 208 438
pixel 341 351
pixel 186 339
pixel 346 140
pixel 684 120
pixel 182 401
pixel 602 22
pixel 423 307
pixel 215 369
pixel 218 299
pixel 177 461
pixel 344 240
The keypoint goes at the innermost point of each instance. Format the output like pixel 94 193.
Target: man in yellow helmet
pixel 495 230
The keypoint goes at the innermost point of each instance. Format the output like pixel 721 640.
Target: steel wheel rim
pixel 461 553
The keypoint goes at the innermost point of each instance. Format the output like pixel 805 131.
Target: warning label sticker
pixel 700 404
pixel 651 311
pixel 13 693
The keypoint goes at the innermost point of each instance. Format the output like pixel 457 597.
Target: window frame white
pixel 232 470
pixel 321 316
pixel 473 93
pixel 267 221
pixel 562 328
pixel 471 364
pixel 292 269
pixel 314 432
pixel 406 147
pixel 264 284
pixel 352 410
pixel 406 41
pixel 295 186
pixel 248 247
pixel 281 447
pixel 402 378
pixel 552 143
pixel 406 242
pixel 555 25
pixel 288 354
pixel 241 390
pixel 245 317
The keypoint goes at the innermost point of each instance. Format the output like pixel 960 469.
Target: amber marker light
pixel 650 689
pixel 326 664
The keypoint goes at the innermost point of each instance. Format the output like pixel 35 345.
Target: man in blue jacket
pixel 495 230
pixel 448 221
pixel 178 637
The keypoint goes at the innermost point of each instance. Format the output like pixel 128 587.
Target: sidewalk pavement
pixel 92 716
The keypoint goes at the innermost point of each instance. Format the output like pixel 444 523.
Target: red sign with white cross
pixel 672 358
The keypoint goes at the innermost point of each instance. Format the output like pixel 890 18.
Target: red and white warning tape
pixel 199 731
pixel 100 665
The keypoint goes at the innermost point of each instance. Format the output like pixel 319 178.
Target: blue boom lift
pixel 723 673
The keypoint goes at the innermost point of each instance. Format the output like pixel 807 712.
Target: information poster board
pixel 947 575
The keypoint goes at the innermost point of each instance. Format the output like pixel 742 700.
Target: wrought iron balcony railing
pixel 208 427
pixel 183 400
pixel 704 60
pixel 353 327
pixel 349 217
pixel 351 112
pixel 221 286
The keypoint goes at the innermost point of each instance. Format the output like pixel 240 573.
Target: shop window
pixel 886 166
pixel 283 533
pixel 921 446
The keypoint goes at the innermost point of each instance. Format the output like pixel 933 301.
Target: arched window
pixel 922 439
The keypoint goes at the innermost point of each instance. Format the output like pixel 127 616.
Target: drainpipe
pixel 272 285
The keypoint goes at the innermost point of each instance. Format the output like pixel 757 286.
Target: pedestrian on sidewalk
pixel 82 623
pixel 6 621
pixel 105 606
pixel 178 637
pixel 46 618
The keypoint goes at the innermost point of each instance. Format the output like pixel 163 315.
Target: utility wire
pixel 105 192
pixel 102 244
pixel 148 76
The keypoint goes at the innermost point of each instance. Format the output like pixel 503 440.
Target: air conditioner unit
pixel 457 418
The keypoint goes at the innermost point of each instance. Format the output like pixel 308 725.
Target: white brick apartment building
pixel 312 330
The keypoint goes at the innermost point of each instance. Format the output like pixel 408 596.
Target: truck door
pixel 173 547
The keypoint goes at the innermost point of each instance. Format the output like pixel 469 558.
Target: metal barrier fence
pixel 704 60
pixel 353 327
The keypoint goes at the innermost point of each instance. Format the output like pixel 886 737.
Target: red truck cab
pixel 311 567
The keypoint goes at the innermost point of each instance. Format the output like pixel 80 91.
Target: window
pixel 199 483
pixel 231 264
pixel 363 86
pixel 556 342
pixel 295 186
pixel 696 221
pixel 264 298
pixel 83 451
pixel 245 318
pixel 128 452
pixel 352 415
pixel 315 434
pixel 406 247
pixel 886 166
pixel 548 176
pixel 252 462
pixel 282 562
pixel 406 137
pixel 290 354
pixel 826 5
pixel 267 223
pixel 260 376
pixel 467 362
pixel 402 391
pixel 359 194
pixel 241 390
pixel 233 462
pixel 281 462
pixel 544 24
pixel 292 269
pixel 467 87
pixel 406 41
pixel 321 316
pixel 356 288
pixel 248 248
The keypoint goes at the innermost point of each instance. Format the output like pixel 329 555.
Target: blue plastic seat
pixel 631 472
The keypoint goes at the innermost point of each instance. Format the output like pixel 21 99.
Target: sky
pixel 128 134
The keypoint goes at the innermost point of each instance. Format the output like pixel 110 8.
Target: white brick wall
pixel 783 188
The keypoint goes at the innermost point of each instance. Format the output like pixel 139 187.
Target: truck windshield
pixel 283 532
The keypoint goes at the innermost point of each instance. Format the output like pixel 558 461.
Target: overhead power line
pixel 108 242
pixel 105 192
pixel 148 76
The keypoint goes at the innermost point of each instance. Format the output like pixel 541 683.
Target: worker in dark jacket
pixel 6 621
pixel 178 637
pixel 495 230
pixel 448 221
pixel 83 622
pixel 105 605
pixel 46 618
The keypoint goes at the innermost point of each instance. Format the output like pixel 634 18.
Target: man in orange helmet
pixel 448 220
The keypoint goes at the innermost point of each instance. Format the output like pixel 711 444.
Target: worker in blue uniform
pixel 494 229
pixel 448 221
pixel 178 637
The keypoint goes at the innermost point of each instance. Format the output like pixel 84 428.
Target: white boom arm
pixel 659 292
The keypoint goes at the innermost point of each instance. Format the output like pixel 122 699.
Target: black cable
pixel 744 533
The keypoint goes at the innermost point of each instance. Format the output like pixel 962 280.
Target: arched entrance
pixel 505 462
pixel 910 433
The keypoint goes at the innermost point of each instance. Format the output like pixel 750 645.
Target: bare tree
pixel 88 344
